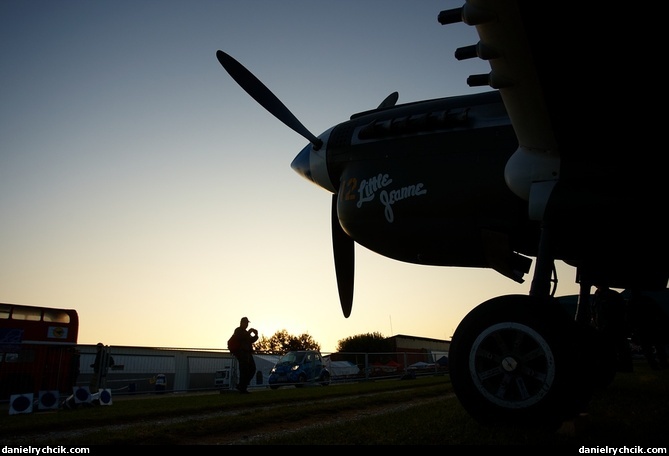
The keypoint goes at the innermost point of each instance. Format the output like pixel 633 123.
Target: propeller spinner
pixel 342 244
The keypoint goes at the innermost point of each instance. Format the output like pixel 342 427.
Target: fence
pixel 144 370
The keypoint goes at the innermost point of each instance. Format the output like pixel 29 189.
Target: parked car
pixel 298 368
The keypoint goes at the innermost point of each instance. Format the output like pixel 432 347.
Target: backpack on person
pixel 233 343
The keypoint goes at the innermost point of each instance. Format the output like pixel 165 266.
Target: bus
pixel 38 350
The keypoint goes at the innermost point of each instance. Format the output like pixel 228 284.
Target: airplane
pixel 549 165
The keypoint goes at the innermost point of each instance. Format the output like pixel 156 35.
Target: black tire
pixel 274 387
pixel 514 360
pixel 325 379
pixel 301 380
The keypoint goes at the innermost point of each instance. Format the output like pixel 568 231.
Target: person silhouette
pixel 243 352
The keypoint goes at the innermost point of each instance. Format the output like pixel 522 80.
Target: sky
pixel 141 186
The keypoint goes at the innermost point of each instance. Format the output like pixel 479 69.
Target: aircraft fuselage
pixel 423 182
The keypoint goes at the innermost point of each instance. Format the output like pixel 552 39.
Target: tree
pixel 375 345
pixel 366 343
pixel 282 342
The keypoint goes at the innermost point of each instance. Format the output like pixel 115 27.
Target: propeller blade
pixel 264 96
pixel 344 251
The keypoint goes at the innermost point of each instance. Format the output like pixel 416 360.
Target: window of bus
pixel 26 314
pixel 56 317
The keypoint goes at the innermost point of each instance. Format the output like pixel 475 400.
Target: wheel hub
pixel 509 364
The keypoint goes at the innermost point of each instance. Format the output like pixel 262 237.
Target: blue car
pixel 298 368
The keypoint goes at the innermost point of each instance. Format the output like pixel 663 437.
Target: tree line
pixel 282 342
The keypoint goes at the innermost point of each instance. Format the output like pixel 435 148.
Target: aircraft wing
pixel 576 87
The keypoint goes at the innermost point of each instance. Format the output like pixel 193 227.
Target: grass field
pixel 632 411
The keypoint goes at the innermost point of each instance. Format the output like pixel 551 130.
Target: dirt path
pixel 274 429
pixel 252 436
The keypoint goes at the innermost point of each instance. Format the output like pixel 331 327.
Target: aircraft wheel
pixel 514 360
